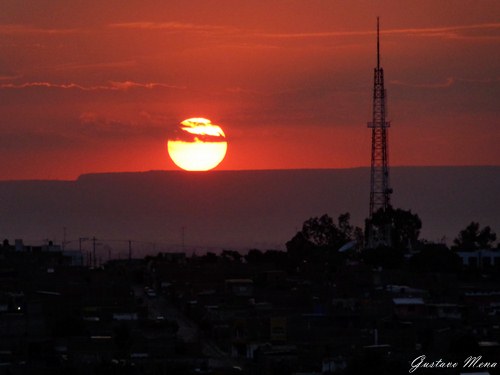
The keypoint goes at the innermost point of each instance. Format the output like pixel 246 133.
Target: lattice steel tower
pixel 380 191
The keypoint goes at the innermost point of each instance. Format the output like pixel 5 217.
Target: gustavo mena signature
pixel 471 362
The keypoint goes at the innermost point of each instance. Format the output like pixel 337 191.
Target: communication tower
pixel 380 191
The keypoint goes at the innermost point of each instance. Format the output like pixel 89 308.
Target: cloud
pixel 126 85
pixel 487 80
pixel 236 32
pixel 94 124
pixel 111 86
pixel 476 31
pixel 171 26
pixel 46 85
pixel 321 34
pixel 28 29
pixel 450 81
pixel 487 31
pixel 438 85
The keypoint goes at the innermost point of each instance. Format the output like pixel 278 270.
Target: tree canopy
pixel 403 225
pixel 320 237
pixel 474 238
pixel 322 231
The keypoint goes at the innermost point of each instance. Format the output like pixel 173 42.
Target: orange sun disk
pixel 201 145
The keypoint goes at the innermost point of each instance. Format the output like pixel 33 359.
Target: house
pixel 486 301
pixel 408 308
pixel 480 258
pixel 446 310
pixel 239 290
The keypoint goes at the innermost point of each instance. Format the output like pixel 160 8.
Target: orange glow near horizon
pixel 291 82
pixel 200 146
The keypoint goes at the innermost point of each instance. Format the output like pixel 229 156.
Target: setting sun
pixel 197 145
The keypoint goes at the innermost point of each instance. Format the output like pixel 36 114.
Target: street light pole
pixel 93 251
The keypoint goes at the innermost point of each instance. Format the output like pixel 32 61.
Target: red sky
pixel 94 86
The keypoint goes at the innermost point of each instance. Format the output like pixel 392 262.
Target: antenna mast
pixel 378 44
pixel 380 190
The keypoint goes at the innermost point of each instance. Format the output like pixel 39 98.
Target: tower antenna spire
pixel 378 44
pixel 380 191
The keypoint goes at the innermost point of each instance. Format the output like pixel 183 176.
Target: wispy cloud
pixel 170 26
pixel 450 81
pixel 437 85
pixel 486 80
pixel 126 85
pixel 191 27
pixel 486 30
pixel 92 124
pixel 116 86
pixel 13 29
pixel 46 85
pixel 489 30
pixel 320 34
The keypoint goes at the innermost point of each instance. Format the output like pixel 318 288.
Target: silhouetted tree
pixel 473 238
pixel 404 226
pixel 322 231
pixel 320 239
pixel 231 255
pixel 383 256
pixel 209 257
pixel 276 257
pixel 299 247
pixel 6 246
pixel 345 228
pixel 254 256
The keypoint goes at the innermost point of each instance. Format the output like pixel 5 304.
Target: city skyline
pixel 92 87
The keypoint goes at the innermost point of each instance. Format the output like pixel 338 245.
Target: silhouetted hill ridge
pixel 260 208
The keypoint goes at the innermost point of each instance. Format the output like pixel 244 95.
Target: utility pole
pixel 129 250
pixel 183 235
pixel 93 251
pixel 64 239
pixel 80 240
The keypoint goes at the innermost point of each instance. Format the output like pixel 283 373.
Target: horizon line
pixel 233 170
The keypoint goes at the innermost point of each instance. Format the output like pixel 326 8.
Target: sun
pixel 197 145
